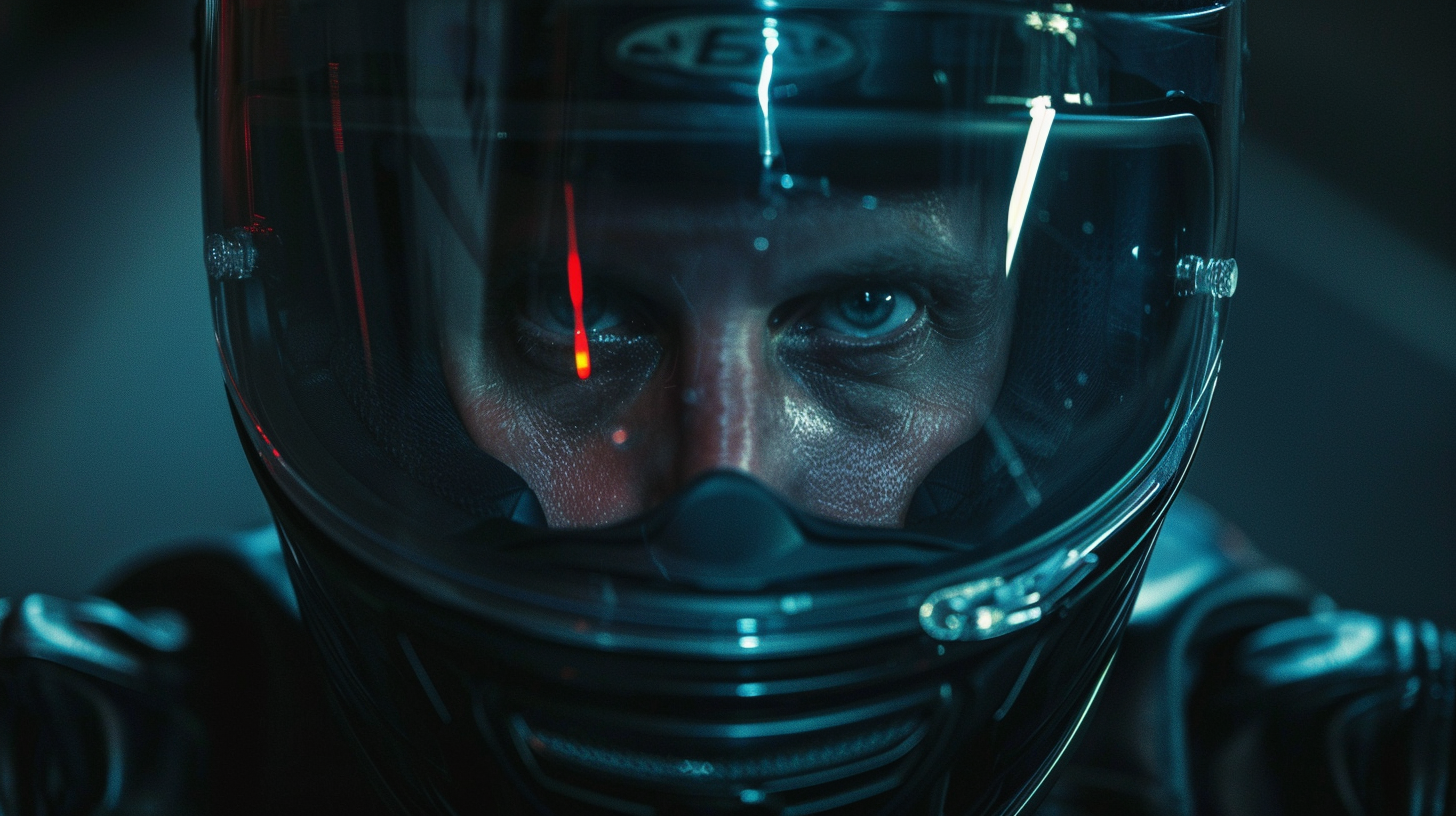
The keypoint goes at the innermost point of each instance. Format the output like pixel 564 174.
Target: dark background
pixel 1332 440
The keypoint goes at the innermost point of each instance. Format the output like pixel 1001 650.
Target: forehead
pixel 773 245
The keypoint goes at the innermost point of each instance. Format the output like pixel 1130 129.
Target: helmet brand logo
pixel 724 48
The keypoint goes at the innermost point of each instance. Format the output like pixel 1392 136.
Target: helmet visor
pixel 908 270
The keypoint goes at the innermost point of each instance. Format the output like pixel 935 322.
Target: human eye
pixel 549 309
pixel 623 338
pixel 856 331
pixel 862 313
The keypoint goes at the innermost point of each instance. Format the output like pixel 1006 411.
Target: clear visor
pixel 912 272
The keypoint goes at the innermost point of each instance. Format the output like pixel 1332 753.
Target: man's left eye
pixel 863 312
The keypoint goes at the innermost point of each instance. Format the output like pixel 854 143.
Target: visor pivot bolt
pixel 1195 275
pixel 991 607
pixel 231 255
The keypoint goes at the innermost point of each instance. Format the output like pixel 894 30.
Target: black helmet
pixel 735 405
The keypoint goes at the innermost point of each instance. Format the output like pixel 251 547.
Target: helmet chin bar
pixel 447 706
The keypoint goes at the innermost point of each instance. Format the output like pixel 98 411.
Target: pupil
pixel 558 304
pixel 869 307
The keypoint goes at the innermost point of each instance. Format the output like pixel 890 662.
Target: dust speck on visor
pixel 523 273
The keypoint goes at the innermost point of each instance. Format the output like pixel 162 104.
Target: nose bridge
pixel 723 393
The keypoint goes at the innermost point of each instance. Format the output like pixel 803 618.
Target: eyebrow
pixel 906 255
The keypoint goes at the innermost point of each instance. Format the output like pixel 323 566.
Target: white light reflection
pixel 768 140
pixel 750 689
pixel 770 44
pixel 1042 114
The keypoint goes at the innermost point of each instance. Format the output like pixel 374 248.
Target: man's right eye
pixel 552 310
pixel 624 345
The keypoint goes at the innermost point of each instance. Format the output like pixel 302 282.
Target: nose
pixel 727 398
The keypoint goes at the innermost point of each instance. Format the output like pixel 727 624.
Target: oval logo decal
pixel 729 48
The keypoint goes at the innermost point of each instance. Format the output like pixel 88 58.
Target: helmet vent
pixel 810 768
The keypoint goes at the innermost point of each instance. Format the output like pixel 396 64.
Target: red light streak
pixel 338 120
pixel 267 441
pixel 248 154
pixel 573 280
pixel 227 372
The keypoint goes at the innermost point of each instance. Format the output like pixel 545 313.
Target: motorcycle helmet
pixel 718 406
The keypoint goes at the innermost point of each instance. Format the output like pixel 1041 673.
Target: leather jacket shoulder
pixel 1240 691
pixel 189 687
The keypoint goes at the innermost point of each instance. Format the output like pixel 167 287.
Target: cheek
pixel 861 453
pixel 866 475
pixel 578 480
pixel 582 479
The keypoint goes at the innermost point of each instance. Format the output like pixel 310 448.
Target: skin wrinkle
pixel 846 428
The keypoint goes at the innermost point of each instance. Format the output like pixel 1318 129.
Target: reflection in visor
pixel 768 138
pixel 1042 114
pixel 336 114
pixel 573 281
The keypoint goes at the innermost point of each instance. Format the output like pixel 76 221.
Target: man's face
pixel 835 349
